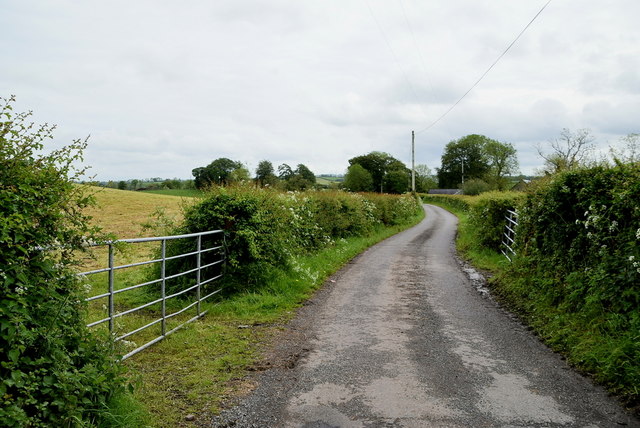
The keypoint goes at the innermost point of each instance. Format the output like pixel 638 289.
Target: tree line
pixel 373 172
pixel 224 171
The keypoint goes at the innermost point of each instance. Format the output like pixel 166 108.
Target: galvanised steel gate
pixel 509 234
pixel 207 249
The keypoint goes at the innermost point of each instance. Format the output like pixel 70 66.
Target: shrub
pixel 53 371
pixel 265 229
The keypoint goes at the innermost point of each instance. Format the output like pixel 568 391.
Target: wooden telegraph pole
pixel 413 161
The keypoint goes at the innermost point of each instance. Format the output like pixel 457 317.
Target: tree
pixel 465 154
pixel 425 180
pixel 284 172
pixel 122 185
pixel 239 175
pixel 54 372
pixel 358 179
pixel 217 172
pixel 306 173
pixel 397 181
pixel 569 151
pixel 630 152
pixel 503 160
pixel 379 164
pixel 265 175
pixel 300 179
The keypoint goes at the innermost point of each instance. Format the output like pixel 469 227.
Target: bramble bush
pixel 265 229
pixel 53 372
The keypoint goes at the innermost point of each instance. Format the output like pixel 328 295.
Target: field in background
pixel 123 212
pixel 186 193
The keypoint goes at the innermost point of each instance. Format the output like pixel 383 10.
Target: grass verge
pixel 195 370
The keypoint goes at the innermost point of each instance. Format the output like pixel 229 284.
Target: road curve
pixel 401 337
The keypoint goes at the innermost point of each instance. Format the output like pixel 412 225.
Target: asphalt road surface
pixel 405 336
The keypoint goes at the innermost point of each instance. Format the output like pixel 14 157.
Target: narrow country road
pixel 401 337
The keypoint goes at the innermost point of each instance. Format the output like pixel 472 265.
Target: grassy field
pixel 124 212
pixel 195 370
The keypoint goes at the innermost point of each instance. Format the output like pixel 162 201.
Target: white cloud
pixel 164 87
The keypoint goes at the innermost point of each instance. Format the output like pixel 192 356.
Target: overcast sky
pixel 164 87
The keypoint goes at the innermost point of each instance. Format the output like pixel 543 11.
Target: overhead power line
pixel 488 70
pixel 393 54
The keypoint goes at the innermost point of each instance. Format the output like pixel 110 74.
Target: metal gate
pixel 204 259
pixel 509 235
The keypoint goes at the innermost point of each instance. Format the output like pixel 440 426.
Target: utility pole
pixel 413 161
pixel 462 170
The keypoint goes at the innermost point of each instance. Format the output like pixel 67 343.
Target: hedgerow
pixel 53 372
pixel 577 274
pixel 487 216
pixel 265 229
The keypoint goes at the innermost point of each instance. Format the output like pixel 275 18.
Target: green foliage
pixel 397 181
pixel 425 180
pixel 578 270
pixel 503 160
pixel 265 228
pixel 475 186
pixel 487 217
pixel 465 155
pixel 358 179
pixel 576 278
pixel 299 179
pixel 265 174
pixel 53 371
pixel 217 172
pixel 455 202
pixel 379 165
pixel 482 157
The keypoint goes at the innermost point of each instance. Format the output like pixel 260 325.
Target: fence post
pixel 111 281
pixel 162 287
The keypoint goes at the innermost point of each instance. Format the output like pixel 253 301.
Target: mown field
pixel 195 371
pixel 124 213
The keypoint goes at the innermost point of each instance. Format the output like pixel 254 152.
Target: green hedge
pixel 265 229
pixel 53 372
pixel 577 274
pixel 458 202
pixel 487 216
pixel 486 213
